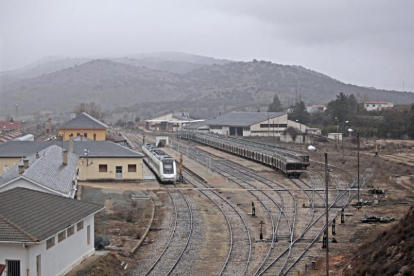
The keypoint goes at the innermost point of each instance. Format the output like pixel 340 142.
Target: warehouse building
pixel 249 124
pixel 83 125
pixel 96 160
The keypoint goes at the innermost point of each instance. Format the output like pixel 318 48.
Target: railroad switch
pixel 324 241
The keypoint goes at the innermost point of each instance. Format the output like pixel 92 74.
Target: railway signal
pixel 342 215
pixel 261 229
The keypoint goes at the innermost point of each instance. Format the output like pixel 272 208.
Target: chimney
pixel 71 144
pixel 65 157
pixel 21 169
pixel 37 155
pixel 25 163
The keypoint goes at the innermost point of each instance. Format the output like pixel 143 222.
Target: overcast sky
pixel 369 43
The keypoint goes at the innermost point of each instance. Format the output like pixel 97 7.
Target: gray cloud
pixel 363 42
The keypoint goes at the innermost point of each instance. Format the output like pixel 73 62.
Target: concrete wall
pixel 91 172
pixel 7 162
pixel 100 133
pixel 56 260
pixel 23 183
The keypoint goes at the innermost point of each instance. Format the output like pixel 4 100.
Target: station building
pixel 44 234
pixel 248 124
pixel 171 122
pixel 85 126
pixel 96 160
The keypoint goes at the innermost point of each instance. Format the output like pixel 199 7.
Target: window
pixel 132 168
pixel 80 225
pixel 94 136
pixel 273 125
pixel 246 128
pixel 50 242
pixel 78 134
pixel 61 236
pixel 88 233
pixel 85 134
pixel 71 231
pixel 103 168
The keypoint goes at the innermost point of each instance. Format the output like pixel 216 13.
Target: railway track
pixel 282 260
pixel 179 239
pixel 240 240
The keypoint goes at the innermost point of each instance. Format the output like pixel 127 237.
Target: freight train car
pixel 291 163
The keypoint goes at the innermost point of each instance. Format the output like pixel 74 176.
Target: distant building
pixel 97 160
pixel 83 125
pixel 171 122
pixel 377 105
pixel 9 126
pixel 44 234
pixel 335 136
pixel 316 108
pixel 249 124
pixel 51 170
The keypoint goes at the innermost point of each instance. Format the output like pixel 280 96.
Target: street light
pixel 343 151
pixel 351 130
pixel 301 138
pixel 312 148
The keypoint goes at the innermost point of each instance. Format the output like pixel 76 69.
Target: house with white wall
pixel 44 234
pixel 377 105
pixel 51 170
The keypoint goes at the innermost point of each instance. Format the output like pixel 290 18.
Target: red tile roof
pixel 376 102
pixel 6 125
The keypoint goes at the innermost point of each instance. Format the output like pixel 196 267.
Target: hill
pixel 390 253
pixel 127 83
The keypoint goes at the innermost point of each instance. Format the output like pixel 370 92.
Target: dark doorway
pixel 13 268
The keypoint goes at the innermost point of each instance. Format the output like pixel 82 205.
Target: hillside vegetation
pixel 172 77
pixel 390 253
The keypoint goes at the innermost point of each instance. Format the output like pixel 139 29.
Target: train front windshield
pixel 168 168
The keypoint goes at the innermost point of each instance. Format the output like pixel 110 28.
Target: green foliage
pixel 276 105
pixel 342 108
pixel 299 113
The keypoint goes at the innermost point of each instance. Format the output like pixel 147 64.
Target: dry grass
pixel 389 253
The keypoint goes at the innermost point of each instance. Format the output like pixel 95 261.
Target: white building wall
pixel 57 260
pixel 256 130
pixel 375 106
pixel 23 183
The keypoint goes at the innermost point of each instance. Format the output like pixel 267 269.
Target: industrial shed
pixel 249 124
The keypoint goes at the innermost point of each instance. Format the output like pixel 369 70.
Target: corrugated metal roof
pixel 41 215
pixel 48 170
pixel 19 149
pixel 243 119
pixel 83 121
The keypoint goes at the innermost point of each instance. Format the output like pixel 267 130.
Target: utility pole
pixel 358 168
pixel 327 212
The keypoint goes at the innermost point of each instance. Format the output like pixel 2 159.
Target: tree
pixel 137 119
pixel 92 109
pixel 276 105
pixel 299 113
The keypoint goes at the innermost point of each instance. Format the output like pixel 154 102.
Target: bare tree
pixel 92 109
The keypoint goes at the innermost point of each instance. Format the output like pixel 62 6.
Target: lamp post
pixel 343 151
pixel 312 148
pixel 301 137
pixel 357 134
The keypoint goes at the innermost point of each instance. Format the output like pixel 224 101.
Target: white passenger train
pixel 160 163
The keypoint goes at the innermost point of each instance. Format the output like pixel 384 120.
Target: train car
pixel 27 137
pixel 160 163
pixel 291 163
